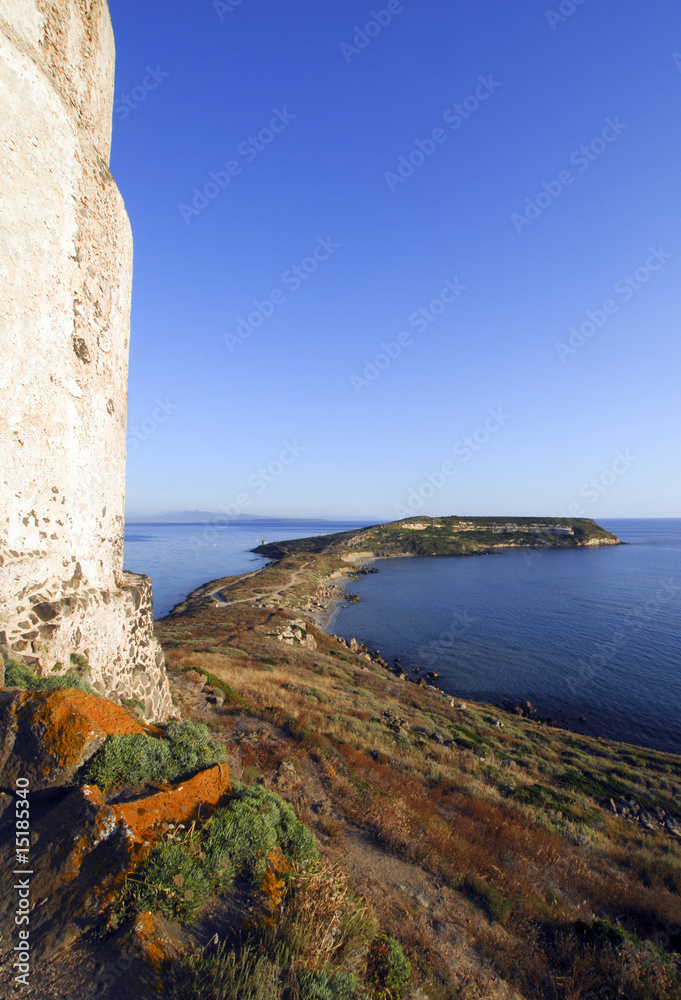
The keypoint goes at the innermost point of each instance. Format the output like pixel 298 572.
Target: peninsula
pixel 451 536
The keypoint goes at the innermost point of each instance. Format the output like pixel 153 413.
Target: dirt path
pixel 440 918
pixel 295 578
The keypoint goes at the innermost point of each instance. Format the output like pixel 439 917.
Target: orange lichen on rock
pixel 147 945
pixel 148 818
pixel 273 885
pixel 55 732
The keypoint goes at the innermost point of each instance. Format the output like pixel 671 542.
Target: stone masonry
pixel 65 285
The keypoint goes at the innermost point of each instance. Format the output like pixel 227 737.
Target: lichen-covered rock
pixel 47 736
pixel 83 849
pixel 145 947
pixel 148 818
pixel 80 853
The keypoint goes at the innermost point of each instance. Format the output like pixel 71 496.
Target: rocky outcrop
pixel 47 736
pixel 65 285
pixel 83 844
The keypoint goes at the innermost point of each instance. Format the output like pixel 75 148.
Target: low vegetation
pixel 186 747
pixel 21 676
pixel 509 818
pixel 320 945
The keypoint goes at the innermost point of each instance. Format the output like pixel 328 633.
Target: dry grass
pixel 516 814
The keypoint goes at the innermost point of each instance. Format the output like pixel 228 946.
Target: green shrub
pixel 19 675
pixel 186 747
pixel 192 748
pixel 128 760
pixel 237 840
pixel 247 830
pixel 325 986
pixel 388 969
pixel 172 882
pixel 80 661
pixel 497 905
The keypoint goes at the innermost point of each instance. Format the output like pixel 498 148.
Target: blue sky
pixel 402 257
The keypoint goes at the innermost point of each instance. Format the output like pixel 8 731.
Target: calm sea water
pixel 584 632
pixel 181 557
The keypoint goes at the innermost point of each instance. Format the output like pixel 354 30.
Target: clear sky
pixel 402 256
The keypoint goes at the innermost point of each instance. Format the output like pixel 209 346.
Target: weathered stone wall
pixel 65 285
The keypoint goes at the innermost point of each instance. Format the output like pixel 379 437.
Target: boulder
pixel 83 849
pixel 672 826
pixel 149 817
pixel 80 854
pixel 195 677
pixel 47 736
pixel 144 948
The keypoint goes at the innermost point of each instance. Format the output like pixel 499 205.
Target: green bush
pixel 237 840
pixel 186 747
pixel 171 882
pixel 388 969
pixel 128 760
pixel 252 825
pixel 19 675
pixel 81 662
pixel 323 986
pixel 497 905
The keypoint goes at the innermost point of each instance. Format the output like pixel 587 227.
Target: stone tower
pixel 65 284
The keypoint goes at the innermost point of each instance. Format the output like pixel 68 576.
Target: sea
pixel 591 636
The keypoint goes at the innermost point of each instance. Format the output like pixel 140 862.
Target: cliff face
pixel 65 285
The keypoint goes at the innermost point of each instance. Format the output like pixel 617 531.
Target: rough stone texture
pixel 82 853
pixel 148 818
pixel 47 736
pixel 65 285
pixel 145 946
pixel 83 849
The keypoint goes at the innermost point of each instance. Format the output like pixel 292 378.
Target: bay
pixel 590 633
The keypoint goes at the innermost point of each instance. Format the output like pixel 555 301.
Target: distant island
pixel 448 536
